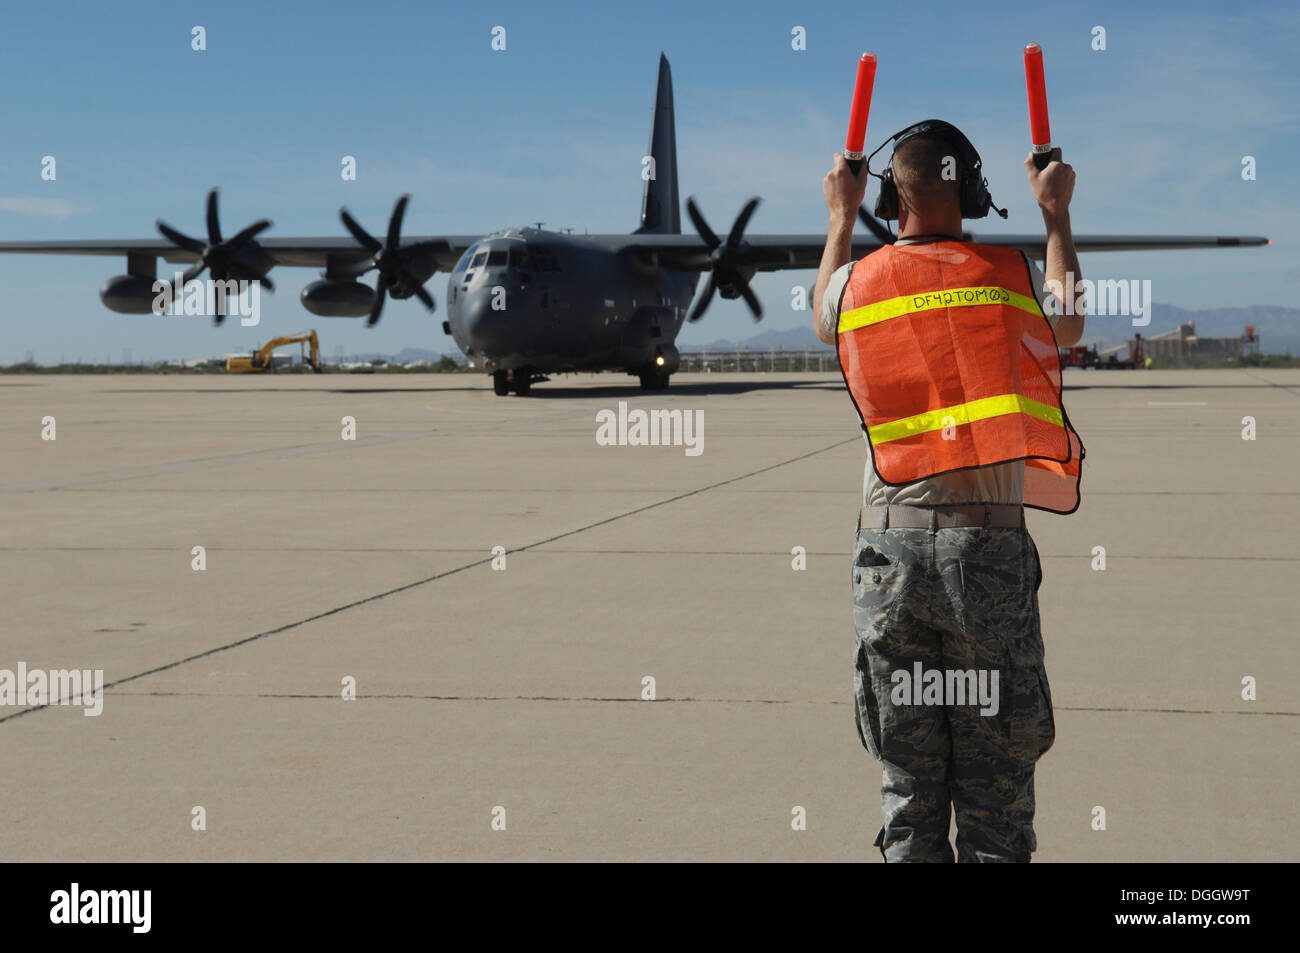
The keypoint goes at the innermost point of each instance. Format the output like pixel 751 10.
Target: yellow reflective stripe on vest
pixel 870 314
pixel 963 414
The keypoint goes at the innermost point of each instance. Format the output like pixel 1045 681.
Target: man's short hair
pixel 927 170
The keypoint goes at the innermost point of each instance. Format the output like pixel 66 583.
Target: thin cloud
pixel 48 208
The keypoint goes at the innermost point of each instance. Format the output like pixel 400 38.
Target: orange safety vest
pixel 952 365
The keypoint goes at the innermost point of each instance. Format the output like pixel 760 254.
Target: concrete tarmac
pixel 479 689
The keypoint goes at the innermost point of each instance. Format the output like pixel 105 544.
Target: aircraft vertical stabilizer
pixel 660 208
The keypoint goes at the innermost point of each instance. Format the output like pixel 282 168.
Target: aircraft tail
pixel 660 208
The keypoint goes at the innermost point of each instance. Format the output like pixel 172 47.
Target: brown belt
pixel 941 517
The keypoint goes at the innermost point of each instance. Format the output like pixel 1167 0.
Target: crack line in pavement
pixel 684 699
pixel 269 453
pixel 437 576
pixel 1212 557
pixel 1286 387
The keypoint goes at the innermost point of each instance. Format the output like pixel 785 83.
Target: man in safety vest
pixel 949 352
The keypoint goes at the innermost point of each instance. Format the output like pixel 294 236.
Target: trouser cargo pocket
pixel 865 710
pixel 1033 725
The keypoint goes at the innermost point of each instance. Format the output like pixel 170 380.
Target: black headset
pixel 975 197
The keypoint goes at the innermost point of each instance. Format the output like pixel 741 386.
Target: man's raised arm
pixel 1053 188
pixel 844 193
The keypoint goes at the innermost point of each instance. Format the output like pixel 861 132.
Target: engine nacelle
pixel 667 359
pixel 128 294
pixel 338 299
pixel 647 337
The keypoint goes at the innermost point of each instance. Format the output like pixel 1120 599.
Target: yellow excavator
pixel 261 361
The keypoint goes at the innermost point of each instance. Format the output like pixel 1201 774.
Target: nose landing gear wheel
pixel 500 383
pixel 653 380
pixel 523 381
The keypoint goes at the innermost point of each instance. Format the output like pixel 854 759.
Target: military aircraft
pixel 526 302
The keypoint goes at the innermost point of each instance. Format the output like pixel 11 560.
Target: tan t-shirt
pixel 1000 483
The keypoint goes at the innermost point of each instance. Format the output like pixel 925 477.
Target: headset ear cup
pixel 969 196
pixel 975 197
pixel 887 201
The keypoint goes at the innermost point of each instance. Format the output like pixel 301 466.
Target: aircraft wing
pixel 766 252
pixel 290 252
pixel 779 252
pixel 683 252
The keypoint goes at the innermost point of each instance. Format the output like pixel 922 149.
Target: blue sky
pixel 554 128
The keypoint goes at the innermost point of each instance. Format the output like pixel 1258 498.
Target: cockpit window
pixel 519 257
pixel 464 260
pixel 497 258
pixel 478 260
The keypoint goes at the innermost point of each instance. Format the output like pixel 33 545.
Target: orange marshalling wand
pixel 857 136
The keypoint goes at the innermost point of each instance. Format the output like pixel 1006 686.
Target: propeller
pixel 390 258
pixel 726 260
pixel 218 256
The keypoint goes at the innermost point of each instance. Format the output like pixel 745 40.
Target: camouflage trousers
pixel 958 601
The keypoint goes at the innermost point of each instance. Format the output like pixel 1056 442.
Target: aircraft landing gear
pixel 523 381
pixel 520 380
pixel 653 380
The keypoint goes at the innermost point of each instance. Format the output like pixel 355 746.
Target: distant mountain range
pixel 790 339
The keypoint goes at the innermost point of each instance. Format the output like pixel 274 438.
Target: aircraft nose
pixel 487 328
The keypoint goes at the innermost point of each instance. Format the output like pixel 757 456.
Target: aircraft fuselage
pixel 552 302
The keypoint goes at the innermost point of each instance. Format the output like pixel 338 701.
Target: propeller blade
pixel 182 241
pixel 192 272
pixel 363 237
pixel 214 226
pixel 395 223
pixel 380 294
pixel 267 283
pixel 752 300
pixel 240 239
pixel 874 226
pixel 701 225
pixel 703 301
pixel 738 228
pixel 424 296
